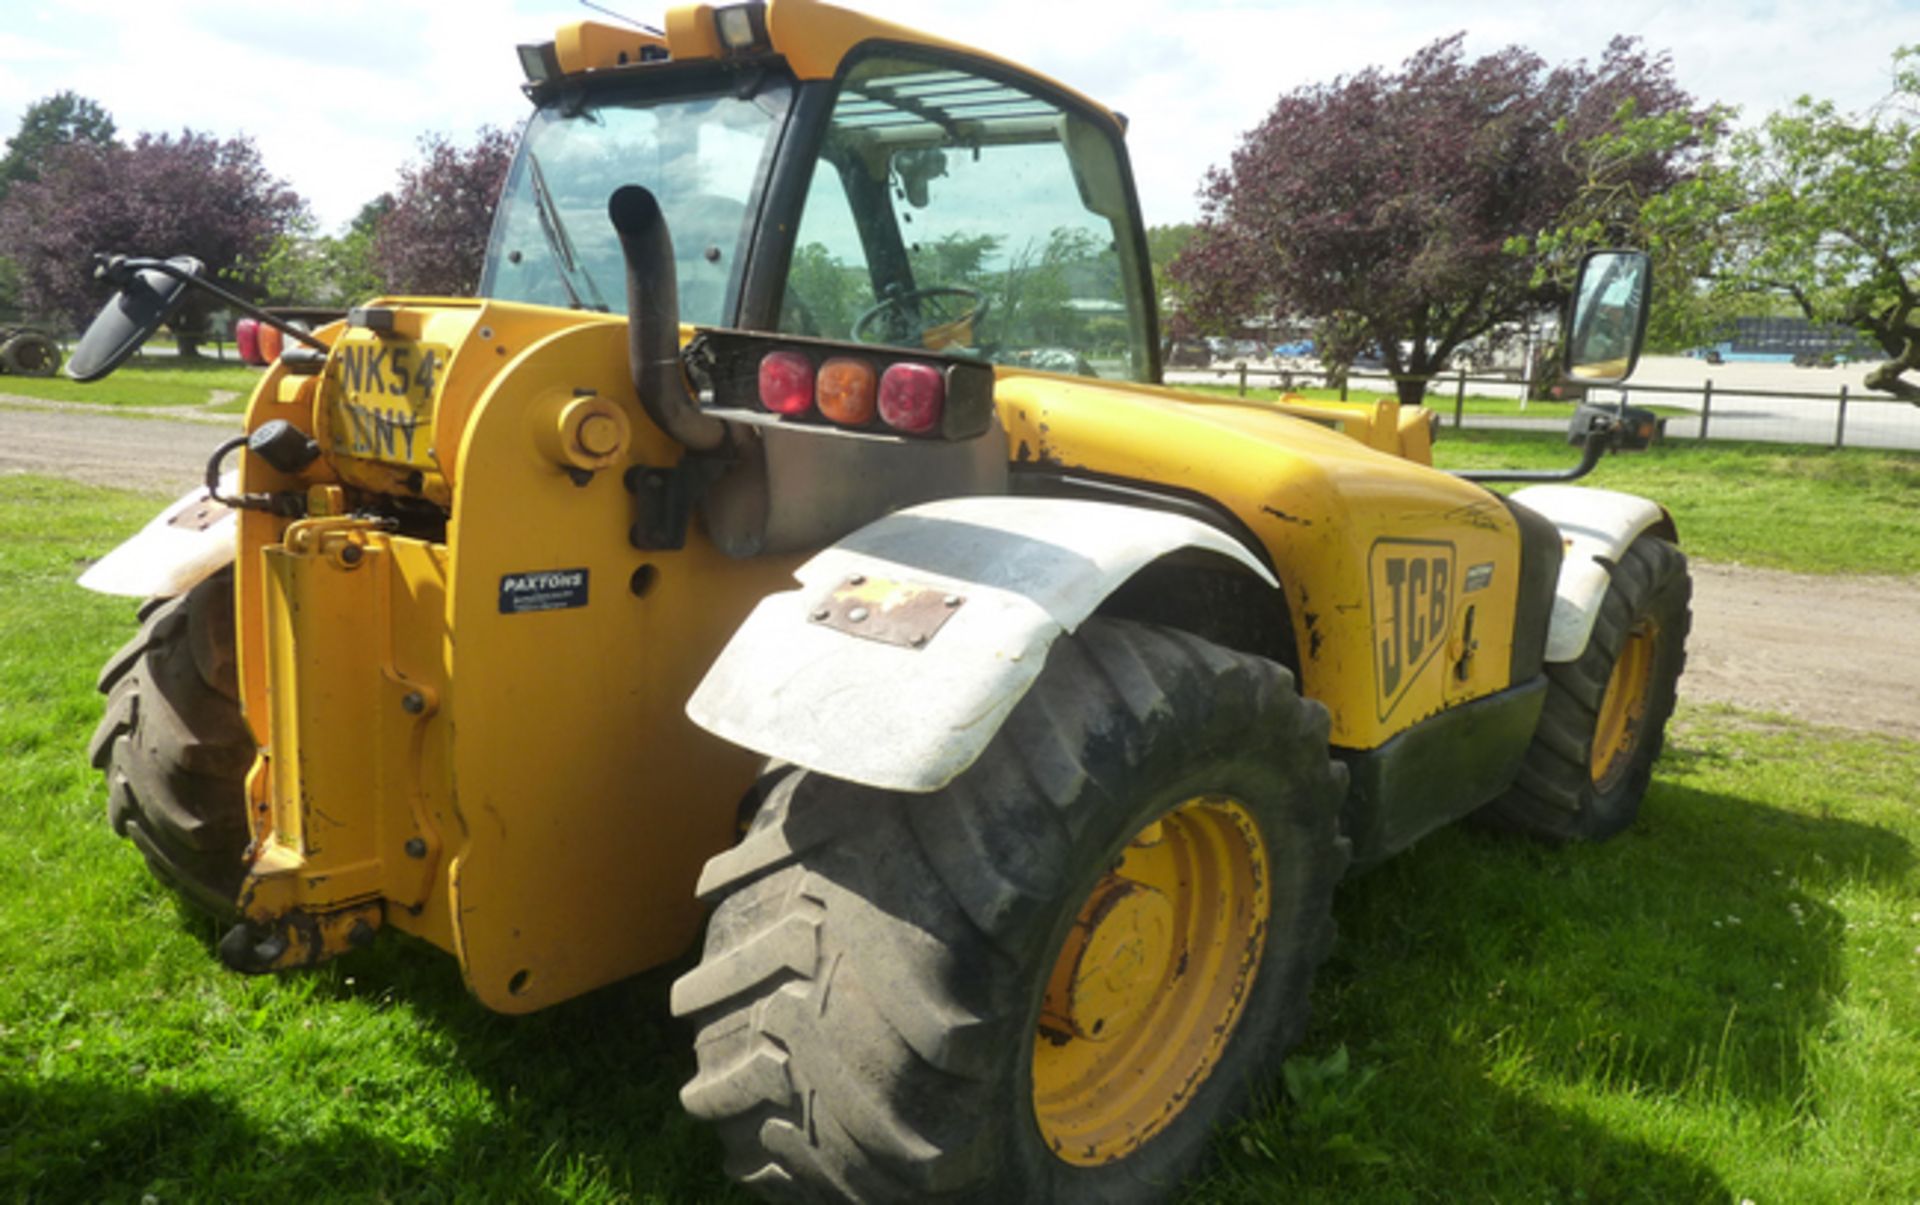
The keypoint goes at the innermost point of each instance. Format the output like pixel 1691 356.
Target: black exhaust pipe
pixel 653 322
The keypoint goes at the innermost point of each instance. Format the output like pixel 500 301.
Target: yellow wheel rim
pixel 1150 982
pixel 1623 708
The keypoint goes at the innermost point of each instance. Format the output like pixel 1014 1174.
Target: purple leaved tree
pixel 1404 211
pixel 162 195
pixel 433 240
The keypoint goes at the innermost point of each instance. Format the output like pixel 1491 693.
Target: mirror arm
pixel 1590 456
pixel 119 269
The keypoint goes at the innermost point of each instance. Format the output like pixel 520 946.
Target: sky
pixel 336 95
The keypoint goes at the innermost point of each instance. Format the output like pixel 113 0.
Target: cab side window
pixel 950 211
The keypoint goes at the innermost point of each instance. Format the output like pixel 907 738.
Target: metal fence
pixel 1847 417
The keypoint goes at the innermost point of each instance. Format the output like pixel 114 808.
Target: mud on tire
pixel 1577 784
pixel 174 747
pixel 874 972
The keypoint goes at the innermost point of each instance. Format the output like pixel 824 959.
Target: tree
pixel 1824 209
pixel 54 121
pixel 163 195
pixel 433 238
pixel 48 123
pixel 306 268
pixel 1402 210
pixel 1164 245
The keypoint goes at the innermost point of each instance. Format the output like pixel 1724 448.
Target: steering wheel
pixel 905 317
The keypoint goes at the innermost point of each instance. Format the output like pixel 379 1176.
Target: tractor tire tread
pixel 175 749
pixel 1554 797
pixel 849 1047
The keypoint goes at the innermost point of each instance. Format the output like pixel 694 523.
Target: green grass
pixel 149 381
pixel 132 1064
pixel 1813 510
pixel 1724 1003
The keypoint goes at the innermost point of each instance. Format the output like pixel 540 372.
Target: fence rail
pixel 1744 412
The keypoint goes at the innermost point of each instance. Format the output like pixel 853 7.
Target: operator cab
pixel 918 198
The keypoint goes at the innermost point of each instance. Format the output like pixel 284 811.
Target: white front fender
pixel 1596 527
pixel 958 602
pixel 184 545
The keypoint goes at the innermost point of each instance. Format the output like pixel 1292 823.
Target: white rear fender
pixel 911 640
pixel 1596 527
pixel 184 545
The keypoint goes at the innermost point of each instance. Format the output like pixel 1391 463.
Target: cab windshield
pixel 703 156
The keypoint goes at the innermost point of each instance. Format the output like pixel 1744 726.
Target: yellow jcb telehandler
pixel 793 550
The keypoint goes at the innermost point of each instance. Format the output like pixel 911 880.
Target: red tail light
pixel 912 397
pixel 246 340
pixel 786 382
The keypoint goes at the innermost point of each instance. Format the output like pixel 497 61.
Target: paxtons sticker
pixel 547 590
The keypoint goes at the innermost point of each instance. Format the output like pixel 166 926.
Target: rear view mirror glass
pixel 1609 319
pixel 146 298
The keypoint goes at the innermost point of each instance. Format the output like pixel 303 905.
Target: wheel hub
pixel 1150 981
pixel 1623 707
pixel 1114 962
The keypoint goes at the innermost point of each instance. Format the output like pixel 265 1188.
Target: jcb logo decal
pixel 1412 612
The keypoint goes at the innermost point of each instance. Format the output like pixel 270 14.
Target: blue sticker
pixel 547 590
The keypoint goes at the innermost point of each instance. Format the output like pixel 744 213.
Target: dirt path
pixel 109 445
pixel 1830 650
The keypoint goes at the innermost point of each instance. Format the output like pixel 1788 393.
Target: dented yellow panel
pixel 586 801
pixel 488 734
pixel 1382 643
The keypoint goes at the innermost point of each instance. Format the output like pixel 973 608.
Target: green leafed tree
pixel 1824 208
pixel 54 121
pixel 1164 245
pixel 48 123
pixel 304 267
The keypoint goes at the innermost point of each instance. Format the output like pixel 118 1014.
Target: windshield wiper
pixel 554 230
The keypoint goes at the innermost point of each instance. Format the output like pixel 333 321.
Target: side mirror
pixel 1609 319
pixel 147 297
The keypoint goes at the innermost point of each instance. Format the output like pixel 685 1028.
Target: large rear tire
pixel 1605 716
pixel 174 747
pixel 1047 981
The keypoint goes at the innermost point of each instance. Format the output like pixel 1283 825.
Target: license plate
pixel 384 399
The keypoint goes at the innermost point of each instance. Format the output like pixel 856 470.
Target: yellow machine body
pixel 523 788
pixel 472 729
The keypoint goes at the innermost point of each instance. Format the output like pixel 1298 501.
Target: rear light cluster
pixel 257 343
pixel 851 391
pixel 850 386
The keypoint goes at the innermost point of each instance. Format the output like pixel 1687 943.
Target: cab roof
pixel 814 39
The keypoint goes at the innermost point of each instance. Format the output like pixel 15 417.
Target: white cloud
pixel 336 96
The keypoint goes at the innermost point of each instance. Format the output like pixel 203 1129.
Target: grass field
pixel 149 381
pixel 1814 510
pixel 1722 1005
